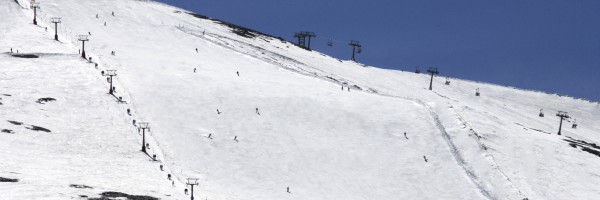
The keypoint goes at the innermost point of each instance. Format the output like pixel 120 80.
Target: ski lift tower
pixel 309 35
pixel 55 21
pixel 143 126
pixel 35 6
pixel 83 39
pixel 562 115
pixel 301 39
pixel 191 182
pixel 355 44
pixel 110 73
pixel 432 71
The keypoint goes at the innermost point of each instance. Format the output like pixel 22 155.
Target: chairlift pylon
pixel 330 43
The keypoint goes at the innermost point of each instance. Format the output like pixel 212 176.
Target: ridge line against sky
pixel 551 46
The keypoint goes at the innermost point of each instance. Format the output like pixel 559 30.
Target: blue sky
pixel 547 45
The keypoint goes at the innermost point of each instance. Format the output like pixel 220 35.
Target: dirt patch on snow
pixel 9 180
pixel 120 195
pixel 44 100
pixel 38 128
pixel 80 186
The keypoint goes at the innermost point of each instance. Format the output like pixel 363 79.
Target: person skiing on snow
pixel 405 135
pixel 194 70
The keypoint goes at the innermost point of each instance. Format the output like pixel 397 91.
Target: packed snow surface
pixel 255 117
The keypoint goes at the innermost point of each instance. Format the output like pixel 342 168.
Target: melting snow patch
pixel 44 100
pixel 37 128
pixel 25 55
pixel 119 195
pixel 585 146
pixel 15 122
pixel 80 186
pixel 7 131
pixel 10 180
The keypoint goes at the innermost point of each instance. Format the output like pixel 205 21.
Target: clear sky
pixel 547 45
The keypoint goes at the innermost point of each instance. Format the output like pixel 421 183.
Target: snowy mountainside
pixel 252 115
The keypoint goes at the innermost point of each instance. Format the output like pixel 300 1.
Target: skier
pixel 218 112
pixel 194 70
pixel 161 168
pixel 96 15
pixel 169 176
pixel 113 13
pixel 90 33
pixel 185 191
pixel 104 23
pixel 348 89
pixel 235 138
pixel 405 135
pixel 196 50
pixel 288 189
pixel 425 158
pixel 210 135
pixel 11 50
pixel 46 29
pixel 128 111
pixel 238 73
pixel 257 111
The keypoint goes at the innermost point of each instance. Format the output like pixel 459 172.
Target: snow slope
pixel 309 134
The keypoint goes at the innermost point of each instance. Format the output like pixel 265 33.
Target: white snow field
pixel 287 120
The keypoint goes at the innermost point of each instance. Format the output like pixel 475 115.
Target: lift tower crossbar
pixel 55 21
pixel 432 71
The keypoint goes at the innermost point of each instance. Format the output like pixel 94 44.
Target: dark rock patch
pixel 115 195
pixel 25 56
pixel 8 180
pixel 38 128
pixel 15 122
pixel 80 186
pixel 7 131
pixel 44 100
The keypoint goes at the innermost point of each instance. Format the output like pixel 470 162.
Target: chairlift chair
pixel 330 43
pixel 574 124
pixel 477 92
pixel 541 112
pixel 447 81
pixel 359 50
